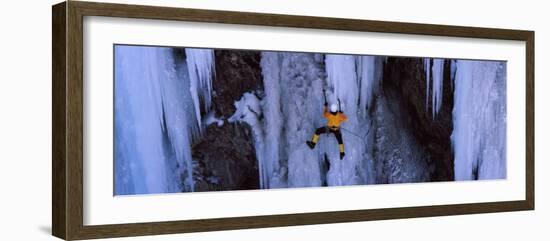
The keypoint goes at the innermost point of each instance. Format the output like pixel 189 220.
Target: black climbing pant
pixel 336 133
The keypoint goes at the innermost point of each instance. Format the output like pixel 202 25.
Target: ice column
pixel 342 77
pixel 200 65
pixel 437 86
pixel 434 74
pixel 369 70
pixel 479 120
pixel 152 132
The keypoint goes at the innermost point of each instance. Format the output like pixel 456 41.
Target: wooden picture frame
pixel 67 124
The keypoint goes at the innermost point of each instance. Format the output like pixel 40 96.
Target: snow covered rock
pixel 225 157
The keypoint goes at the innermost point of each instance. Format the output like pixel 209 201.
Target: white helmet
pixel 333 108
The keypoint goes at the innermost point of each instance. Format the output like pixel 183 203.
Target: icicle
pixel 453 70
pixel 369 69
pixel 479 120
pixel 342 77
pixel 427 69
pixel 181 126
pixel 434 69
pixel 200 64
pixel 437 88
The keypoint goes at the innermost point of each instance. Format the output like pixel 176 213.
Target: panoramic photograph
pixel 198 120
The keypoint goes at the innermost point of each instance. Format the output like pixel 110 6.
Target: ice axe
pixel 339 107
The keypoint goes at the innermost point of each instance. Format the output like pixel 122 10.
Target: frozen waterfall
pixel 291 108
pixel 164 102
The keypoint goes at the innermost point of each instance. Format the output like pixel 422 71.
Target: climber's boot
pixel 311 144
pixel 313 141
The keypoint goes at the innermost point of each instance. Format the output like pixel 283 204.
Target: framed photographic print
pixel 171 120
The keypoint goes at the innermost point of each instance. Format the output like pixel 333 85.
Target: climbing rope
pixel 356 135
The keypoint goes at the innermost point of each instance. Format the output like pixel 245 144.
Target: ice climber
pixel 334 119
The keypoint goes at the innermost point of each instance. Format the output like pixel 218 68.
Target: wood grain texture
pixel 74 121
pixel 121 230
pixel 67 136
pixel 263 19
pixel 59 193
pixel 530 120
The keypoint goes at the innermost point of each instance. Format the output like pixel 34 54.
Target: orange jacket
pixel 334 120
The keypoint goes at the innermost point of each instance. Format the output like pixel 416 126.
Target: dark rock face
pixel 237 72
pixel 226 159
pixel 406 79
pixel 399 158
pixel 225 155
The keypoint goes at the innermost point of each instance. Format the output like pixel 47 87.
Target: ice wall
pixel 479 119
pixel 301 80
pixel 343 79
